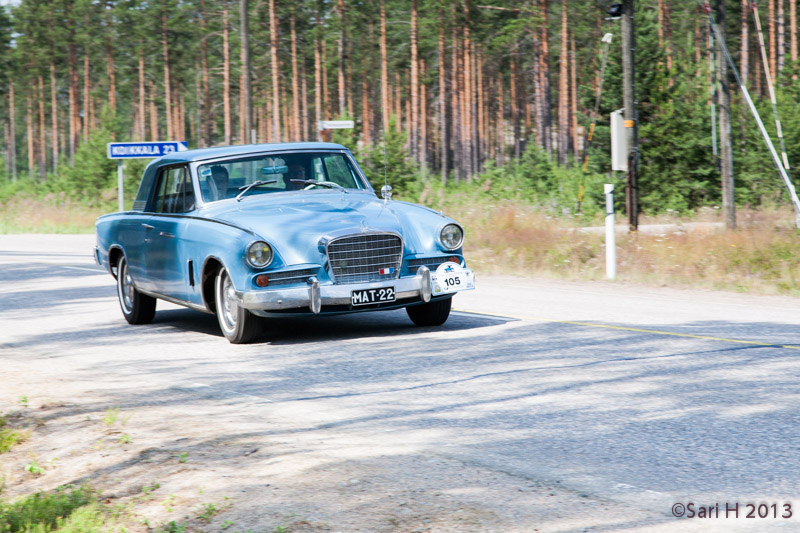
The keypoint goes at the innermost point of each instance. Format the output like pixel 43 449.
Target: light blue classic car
pixel 248 232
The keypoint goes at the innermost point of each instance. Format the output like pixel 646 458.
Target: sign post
pixel 139 150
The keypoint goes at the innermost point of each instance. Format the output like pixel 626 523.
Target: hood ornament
pixel 364 227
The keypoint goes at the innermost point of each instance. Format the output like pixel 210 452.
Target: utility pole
pixel 724 102
pixel 631 114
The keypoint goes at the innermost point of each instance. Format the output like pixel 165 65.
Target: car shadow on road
pixel 311 328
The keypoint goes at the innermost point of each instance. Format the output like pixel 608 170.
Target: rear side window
pixel 175 193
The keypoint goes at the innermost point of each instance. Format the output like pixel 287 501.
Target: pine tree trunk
pixel 479 101
pixel 30 134
pixel 86 89
pixel 514 106
pixel 443 140
pixel 297 136
pixel 167 80
pixel 538 96
pixel 154 131
pixel 455 99
pixel 793 35
pixel 12 139
pixel 385 107
pixel 563 91
pixel 205 101
pixel 414 82
pixel 304 103
pixel 42 132
pixel 576 139
pixel 773 40
pixel 74 118
pixel 142 107
pixel 499 146
pixel 668 42
pixel 544 60
pixel 276 102
pixel 423 119
pixel 245 89
pixel 110 68
pixel 398 103
pixel 781 40
pixel 342 62
pixel 53 114
pixel 365 126
pixel 744 53
pixel 318 77
pixel 227 125
pixel 326 95
pixel 468 116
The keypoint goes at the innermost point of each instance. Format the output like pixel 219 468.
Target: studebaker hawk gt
pixel 256 231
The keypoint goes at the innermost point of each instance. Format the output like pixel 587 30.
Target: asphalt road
pixel 642 397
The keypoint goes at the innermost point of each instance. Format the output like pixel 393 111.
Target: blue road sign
pixel 144 149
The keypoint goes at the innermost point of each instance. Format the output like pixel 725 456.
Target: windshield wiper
pixel 247 188
pixel 329 184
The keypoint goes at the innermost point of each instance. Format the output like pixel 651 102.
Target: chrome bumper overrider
pixel 315 295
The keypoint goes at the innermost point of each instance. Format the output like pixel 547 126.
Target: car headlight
pixel 451 236
pixel 259 254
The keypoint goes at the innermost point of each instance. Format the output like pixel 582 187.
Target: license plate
pixel 372 296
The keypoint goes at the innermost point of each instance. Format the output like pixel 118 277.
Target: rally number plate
pixel 373 296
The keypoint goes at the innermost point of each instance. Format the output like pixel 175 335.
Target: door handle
pixel 147 226
pixel 165 234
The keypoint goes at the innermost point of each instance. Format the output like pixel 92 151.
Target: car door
pixel 165 259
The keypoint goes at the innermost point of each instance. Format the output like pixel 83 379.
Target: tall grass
pixel 51 213
pixel 762 255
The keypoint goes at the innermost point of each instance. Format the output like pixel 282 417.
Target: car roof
pixel 200 154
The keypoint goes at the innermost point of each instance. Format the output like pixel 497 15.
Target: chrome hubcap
pixel 126 287
pixel 228 307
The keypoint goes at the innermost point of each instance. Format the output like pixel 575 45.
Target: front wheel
pixel 433 313
pixel 137 308
pixel 237 323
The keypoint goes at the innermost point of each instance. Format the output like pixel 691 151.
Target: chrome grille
pixel 359 258
pixel 288 277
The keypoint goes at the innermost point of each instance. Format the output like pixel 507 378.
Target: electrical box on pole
pixel 619 142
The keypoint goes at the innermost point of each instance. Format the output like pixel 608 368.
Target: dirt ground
pixel 152 468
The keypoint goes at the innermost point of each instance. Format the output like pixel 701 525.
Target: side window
pixel 175 193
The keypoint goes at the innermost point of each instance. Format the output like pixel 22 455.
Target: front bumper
pixel 315 296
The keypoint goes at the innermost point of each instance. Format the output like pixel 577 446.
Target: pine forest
pixel 497 94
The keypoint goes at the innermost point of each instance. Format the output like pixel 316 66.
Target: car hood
pixel 295 223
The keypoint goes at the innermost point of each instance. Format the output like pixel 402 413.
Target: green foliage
pixel 66 510
pixel 394 161
pixel 10 437
pixel 93 172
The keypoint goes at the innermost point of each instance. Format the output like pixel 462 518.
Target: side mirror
pixel 386 192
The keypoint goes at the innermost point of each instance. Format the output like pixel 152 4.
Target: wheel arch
pixel 115 253
pixel 211 266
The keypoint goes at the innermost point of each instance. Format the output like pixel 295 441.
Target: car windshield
pixel 281 172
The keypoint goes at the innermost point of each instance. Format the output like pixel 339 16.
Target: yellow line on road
pixel 637 330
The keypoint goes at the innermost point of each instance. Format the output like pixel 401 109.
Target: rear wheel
pixel 238 324
pixel 137 308
pixel 433 313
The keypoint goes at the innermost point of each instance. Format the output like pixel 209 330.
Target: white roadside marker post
pixel 611 240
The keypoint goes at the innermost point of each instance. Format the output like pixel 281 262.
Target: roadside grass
pixel 53 213
pixel 10 437
pixel 761 256
pixel 66 510
pixel 512 236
